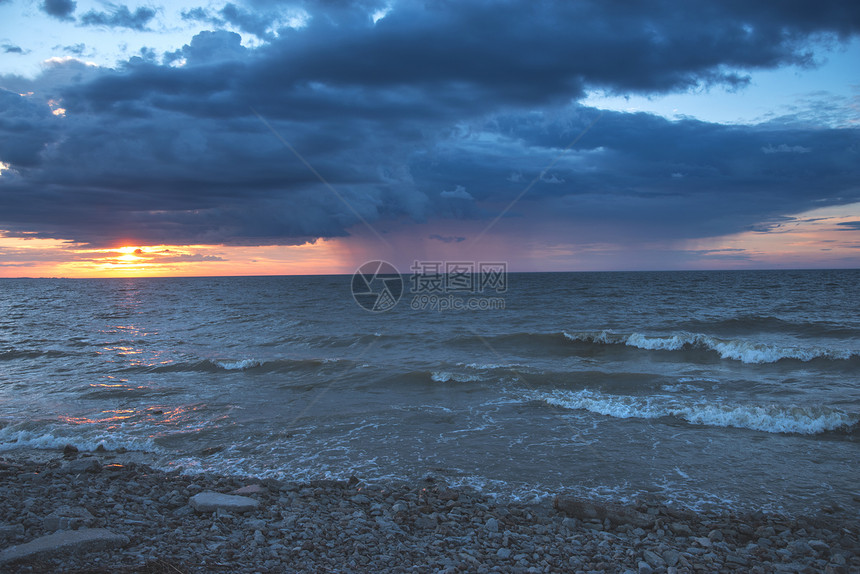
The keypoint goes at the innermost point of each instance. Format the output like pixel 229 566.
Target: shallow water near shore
pixel 709 389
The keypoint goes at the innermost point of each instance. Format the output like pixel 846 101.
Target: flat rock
pixel 681 529
pixel 209 501
pixel 84 540
pixel 588 510
pixel 82 465
pixel 250 489
pixel 653 559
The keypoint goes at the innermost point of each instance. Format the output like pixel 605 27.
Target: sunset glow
pixel 826 237
pixel 35 257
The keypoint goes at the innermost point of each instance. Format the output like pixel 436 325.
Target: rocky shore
pixel 95 512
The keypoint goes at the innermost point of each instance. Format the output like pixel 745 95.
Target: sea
pixel 726 390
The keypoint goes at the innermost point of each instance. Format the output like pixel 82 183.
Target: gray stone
pixel 250 489
pixel 388 526
pixel 68 518
pixel 653 559
pixel 84 540
pixel 801 547
pixel 838 559
pixel 671 557
pixel 644 568
pixel 504 553
pixel 587 510
pixel 425 522
pixel 569 523
pixel 210 501
pixel 492 525
pixel 11 531
pixel 256 523
pixel 681 529
pixel 82 465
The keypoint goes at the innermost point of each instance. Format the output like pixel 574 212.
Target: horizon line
pixel 733 270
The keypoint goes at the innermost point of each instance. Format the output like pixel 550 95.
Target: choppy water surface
pixel 735 389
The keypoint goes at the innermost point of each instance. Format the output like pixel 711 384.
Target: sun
pixel 130 254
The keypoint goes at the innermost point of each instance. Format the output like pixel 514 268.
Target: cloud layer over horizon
pixel 435 112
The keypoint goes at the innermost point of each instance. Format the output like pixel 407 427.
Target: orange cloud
pixel 36 257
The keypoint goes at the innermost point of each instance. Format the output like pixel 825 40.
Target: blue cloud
pixel 120 17
pixel 481 96
pixel 60 9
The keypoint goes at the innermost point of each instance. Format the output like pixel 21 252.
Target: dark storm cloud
pixel 120 17
pixel 258 23
pixel 26 128
pixel 435 111
pixel 196 15
pixel 60 9
pixel 75 49
pixel 247 21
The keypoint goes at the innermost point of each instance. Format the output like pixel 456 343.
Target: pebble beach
pixel 99 512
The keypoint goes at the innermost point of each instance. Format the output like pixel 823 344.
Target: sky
pixel 262 137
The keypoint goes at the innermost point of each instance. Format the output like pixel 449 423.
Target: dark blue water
pixel 733 389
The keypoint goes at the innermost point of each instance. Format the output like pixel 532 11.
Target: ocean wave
pixel 216 365
pixel 239 365
pixel 446 377
pixel 734 349
pixel 682 388
pixel 491 366
pixel 769 418
pixel 752 324
pixel 13 437
pixel 12 354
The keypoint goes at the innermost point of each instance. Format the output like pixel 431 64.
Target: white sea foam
pixel 14 437
pixel 735 349
pixel 239 365
pixel 768 418
pixel 682 474
pixel 490 366
pixel 698 380
pixel 445 376
pixel 682 388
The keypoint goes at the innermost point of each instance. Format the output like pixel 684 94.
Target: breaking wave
pixel 734 349
pixel 446 377
pixel 214 365
pixel 769 418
